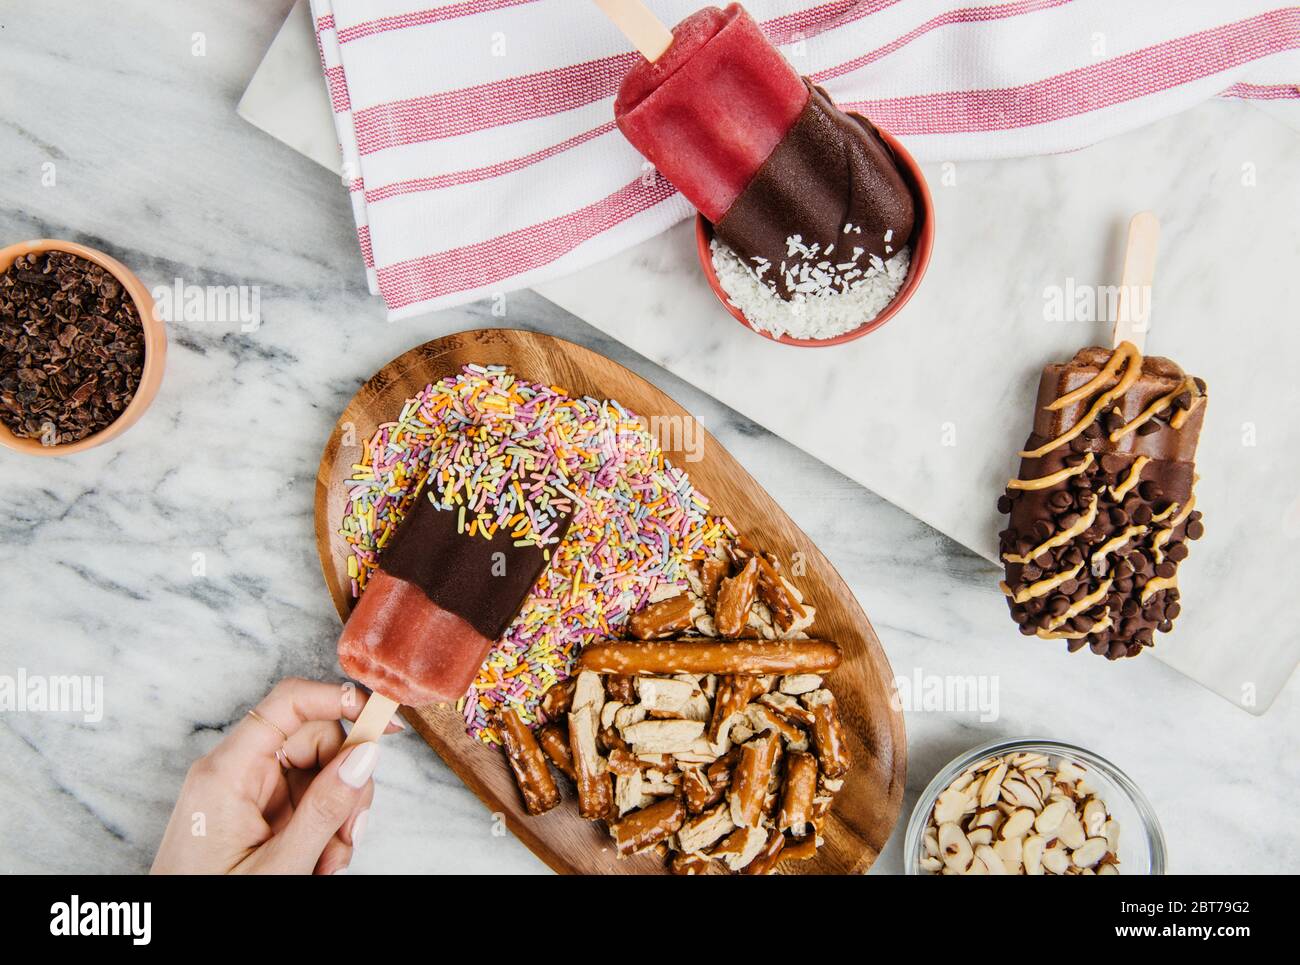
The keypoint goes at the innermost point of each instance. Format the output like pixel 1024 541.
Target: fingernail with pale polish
pixel 340 871
pixel 359 826
pixel 360 764
pixel 398 723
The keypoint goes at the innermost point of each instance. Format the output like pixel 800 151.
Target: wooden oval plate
pixel 867 807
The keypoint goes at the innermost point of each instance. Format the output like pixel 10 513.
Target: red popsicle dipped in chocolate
pixel 435 606
pixel 763 153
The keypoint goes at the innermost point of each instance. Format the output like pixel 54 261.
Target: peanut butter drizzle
pixel 1098 627
pixel 1169 511
pixel 1047 482
pixel 1064 536
pixel 1042 587
pixel 1111 545
pixel 1082 605
pixel 1131 480
pixel 1132 372
pixel 1162 535
pixel 1154 409
pixel 1180 418
pixel 1123 350
pixel 1156 585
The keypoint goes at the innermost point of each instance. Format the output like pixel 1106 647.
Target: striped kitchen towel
pixel 481 154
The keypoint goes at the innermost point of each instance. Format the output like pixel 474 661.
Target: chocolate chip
pixel 1146 428
pixel 1079 444
pixel 1118 518
pixel 1099 646
pixel 1195 529
pixel 1116 650
pixel 1031 571
pixel 1166 569
pixel 1068 520
pixel 1073 646
pixel 1164 626
pixel 1177 552
pixel 1004 504
pixel 1113 420
pixel 1142 515
pixel 1172 610
pixel 1199 383
pixel 1060 501
pixel 1183 400
pixel 1130 607
pixel 1041 530
pixel 1150 491
pixel 1057 605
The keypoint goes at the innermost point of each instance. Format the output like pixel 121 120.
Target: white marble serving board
pixel 929 410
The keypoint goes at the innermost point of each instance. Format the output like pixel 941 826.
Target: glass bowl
pixel 1141 842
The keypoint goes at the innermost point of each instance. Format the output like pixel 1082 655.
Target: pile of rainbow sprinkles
pixel 637 521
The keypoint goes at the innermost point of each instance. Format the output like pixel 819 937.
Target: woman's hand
pixel 273 798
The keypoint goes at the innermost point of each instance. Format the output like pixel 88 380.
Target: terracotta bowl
pixel 922 242
pixel 155 348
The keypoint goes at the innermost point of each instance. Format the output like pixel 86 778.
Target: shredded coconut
pixel 829 299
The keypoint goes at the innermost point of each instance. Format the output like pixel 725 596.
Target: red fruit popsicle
pixel 435 606
pixel 765 155
pixel 711 109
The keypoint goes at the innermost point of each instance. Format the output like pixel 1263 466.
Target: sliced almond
pixel 1071 832
pixel 1056 859
pixel 1031 854
pixel 1017 824
pixel 1110 831
pixel 951 805
pixel 992 786
pixel 955 850
pixel 1094 817
pixel 991 860
pixel 980 836
pixel 1011 852
pixel 1092 851
pixel 1050 817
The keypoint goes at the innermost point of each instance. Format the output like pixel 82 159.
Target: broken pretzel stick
pixel 529 764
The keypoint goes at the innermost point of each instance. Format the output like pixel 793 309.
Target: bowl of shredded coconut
pixel 836 297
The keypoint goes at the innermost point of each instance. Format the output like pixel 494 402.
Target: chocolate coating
pixel 482 581
pixel 830 169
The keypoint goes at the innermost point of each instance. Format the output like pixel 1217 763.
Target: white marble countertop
pixel 151 164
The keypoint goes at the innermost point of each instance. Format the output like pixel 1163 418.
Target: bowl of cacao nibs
pixel 81 351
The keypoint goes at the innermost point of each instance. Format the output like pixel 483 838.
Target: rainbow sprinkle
pixel 508 455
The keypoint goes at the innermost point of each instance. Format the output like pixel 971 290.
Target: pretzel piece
pixel 704 656
pixel 522 750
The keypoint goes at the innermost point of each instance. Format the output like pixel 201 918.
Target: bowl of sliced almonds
pixel 1033 807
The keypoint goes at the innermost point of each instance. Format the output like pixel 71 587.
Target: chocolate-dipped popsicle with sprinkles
pixel 1104 506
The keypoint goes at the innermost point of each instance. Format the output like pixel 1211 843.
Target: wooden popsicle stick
pixel 1133 317
pixel 372 720
pixel 639 25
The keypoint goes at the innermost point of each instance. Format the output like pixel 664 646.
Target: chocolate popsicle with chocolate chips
pixel 1104 503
